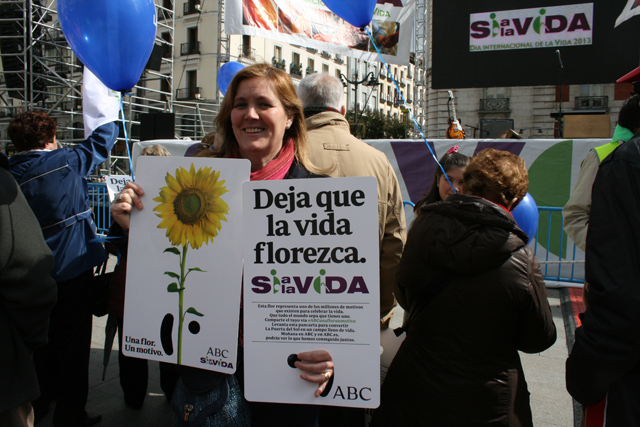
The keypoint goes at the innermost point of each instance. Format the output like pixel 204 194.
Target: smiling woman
pixel 261 119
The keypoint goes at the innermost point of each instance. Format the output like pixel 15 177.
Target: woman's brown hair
pixel 498 176
pixel 286 92
pixel 31 130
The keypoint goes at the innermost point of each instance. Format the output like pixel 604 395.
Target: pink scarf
pixel 278 167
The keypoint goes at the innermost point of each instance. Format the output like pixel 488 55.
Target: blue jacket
pixel 54 183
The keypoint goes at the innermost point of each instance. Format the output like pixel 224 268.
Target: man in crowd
pixel 53 181
pixel 576 212
pixel 27 295
pixel 332 147
pixel 604 362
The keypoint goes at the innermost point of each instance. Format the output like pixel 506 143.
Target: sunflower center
pixel 190 205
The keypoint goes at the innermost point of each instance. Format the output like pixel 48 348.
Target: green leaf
pixel 172 250
pixel 173 287
pixel 194 311
pixel 317 284
pixel 172 274
pixel 197 269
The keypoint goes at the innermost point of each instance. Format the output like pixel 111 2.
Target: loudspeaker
pixel 491 128
pixel 157 126
pixel 155 60
pixel 12 32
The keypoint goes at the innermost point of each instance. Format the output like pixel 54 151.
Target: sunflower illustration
pixel 192 211
pixel 191 207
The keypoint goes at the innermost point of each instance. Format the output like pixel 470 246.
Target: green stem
pixel 183 261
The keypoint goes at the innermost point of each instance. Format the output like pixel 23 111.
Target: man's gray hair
pixel 321 90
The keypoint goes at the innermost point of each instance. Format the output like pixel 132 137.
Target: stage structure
pixel 39 71
pixel 420 88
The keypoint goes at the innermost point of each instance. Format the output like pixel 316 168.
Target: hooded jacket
pixel 475 295
pixel 27 294
pixel 54 183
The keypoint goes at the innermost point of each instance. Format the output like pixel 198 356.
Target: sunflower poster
pixel 184 263
pixel 311 282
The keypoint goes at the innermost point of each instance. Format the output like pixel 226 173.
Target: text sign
pixel 311 282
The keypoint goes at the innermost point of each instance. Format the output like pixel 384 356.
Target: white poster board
pixel 311 282
pixel 188 265
pixel 115 184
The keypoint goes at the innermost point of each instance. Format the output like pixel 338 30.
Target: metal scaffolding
pixel 420 86
pixel 39 71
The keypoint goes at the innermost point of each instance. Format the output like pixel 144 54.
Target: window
pixel 591 90
pixel 295 58
pixel 192 35
pixel 192 81
pixel 192 46
pixel 325 68
pixel 277 53
pixel 166 47
pixel 495 92
pixel 165 88
pixel 310 65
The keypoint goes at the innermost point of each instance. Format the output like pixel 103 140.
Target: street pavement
pixel 551 404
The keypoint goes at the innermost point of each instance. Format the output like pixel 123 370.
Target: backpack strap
pixel 430 292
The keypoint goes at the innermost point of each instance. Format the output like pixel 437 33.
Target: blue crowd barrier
pixel 99 199
pixel 559 257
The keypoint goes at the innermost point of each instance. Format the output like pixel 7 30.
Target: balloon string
pixel 126 137
pixel 409 109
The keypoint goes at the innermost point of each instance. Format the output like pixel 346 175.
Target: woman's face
pixel 455 175
pixel 259 121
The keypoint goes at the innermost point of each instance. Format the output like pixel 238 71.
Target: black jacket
pixel 459 364
pixel 27 293
pixel 605 359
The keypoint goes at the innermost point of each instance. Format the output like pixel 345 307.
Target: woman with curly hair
pixel 475 296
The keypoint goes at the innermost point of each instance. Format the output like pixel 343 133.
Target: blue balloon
pixel 526 216
pixel 226 74
pixel 113 38
pixel 356 12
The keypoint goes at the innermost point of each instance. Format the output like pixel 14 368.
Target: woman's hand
pixel 123 204
pixel 317 366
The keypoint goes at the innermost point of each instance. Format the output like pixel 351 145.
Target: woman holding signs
pixel 261 119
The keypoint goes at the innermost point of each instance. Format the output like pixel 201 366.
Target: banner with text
pixel 532 28
pixel 532 43
pixel 311 24
pixel 182 297
pixel 310 283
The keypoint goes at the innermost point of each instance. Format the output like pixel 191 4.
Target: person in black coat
pixel 475 296
pixel 27 295
pixel 605 360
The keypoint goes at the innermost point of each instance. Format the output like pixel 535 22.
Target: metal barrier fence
pixel 100 204
pixel 559 257
pixel 556 253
